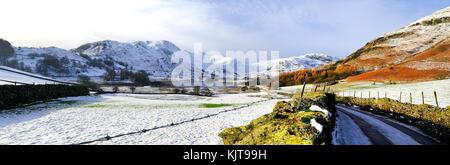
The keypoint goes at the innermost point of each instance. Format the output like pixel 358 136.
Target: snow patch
pixel 316 125
pixel 318 109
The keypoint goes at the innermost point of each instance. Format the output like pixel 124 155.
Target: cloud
pixel 292 27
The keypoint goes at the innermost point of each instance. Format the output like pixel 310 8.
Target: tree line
pixel 139 78
pixel 328 73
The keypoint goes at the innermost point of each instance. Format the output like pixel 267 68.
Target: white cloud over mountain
pixel 290 26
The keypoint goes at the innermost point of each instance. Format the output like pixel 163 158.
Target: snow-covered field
pixel 442 88
pixel 80 119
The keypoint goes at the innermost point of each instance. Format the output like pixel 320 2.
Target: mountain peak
pixel 320 56
pixel 163 44
pixel 420 48
pixel 305 61
pixel 394 47
pixel 437 18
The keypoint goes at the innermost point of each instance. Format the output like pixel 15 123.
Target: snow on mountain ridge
pixel 163 44
pixel 31 57
pixel 443 13
pixel 306 61
pixel 395 47
pixel 153 57
pixel 421 34
pixel 93 59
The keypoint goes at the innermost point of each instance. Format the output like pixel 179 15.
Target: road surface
pixel 357 127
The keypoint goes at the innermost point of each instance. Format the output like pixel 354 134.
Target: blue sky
pixel 293 27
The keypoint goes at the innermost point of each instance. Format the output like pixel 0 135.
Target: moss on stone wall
pixel 288 124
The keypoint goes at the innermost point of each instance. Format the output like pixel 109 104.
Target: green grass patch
pixel 349 86
pixel 307 119
pixel 366 86
pixel 95 106
pixel 212 105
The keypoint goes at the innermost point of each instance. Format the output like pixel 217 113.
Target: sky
pixel 292 27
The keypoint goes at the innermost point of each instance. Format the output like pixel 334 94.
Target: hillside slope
pixel 94 59
pixel 431 64
pixel 416 52
pixel 154 57
pixel 396 47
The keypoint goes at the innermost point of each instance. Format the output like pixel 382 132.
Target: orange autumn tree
pixel 326 74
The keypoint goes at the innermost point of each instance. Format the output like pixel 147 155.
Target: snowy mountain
pixel 306 61
pixel 94 59
pixel 154 57
pixel 395 47
pixel 52 61
pixel 419 51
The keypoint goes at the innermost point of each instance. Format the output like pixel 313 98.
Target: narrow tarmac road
pixel 356 127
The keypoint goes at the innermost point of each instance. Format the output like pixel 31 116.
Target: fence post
pixel 423 98
pixel 435 97
pixel 400 96
pixel 378 94
pixel 303 89
pixel 369 94
pixel 385 95
pixel 410 97
pixel 360 96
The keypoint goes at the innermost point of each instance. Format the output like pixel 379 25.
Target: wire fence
pixel 413 97
pixel 423 97
pixel 107 138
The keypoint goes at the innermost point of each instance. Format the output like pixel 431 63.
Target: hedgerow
pixel 12 96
